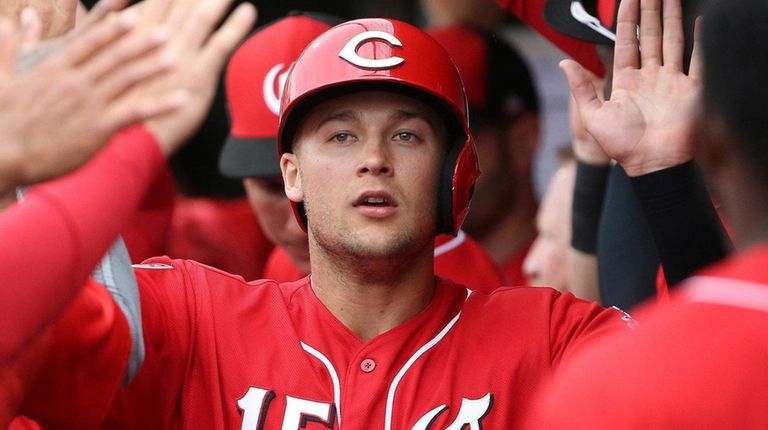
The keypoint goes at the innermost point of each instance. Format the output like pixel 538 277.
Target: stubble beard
pixel 371 258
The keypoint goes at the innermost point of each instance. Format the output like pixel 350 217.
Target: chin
pixel 380 247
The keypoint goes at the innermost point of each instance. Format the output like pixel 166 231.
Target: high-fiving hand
pixel 646 124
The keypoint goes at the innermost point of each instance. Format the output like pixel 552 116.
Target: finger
pixel 94 39
pixel 695 70
pixel 226 39
pixel 134 111
pixel 100 11
pixel 31 28
pixel 181 12
pixel 650 33
pixel 582 88
pixel 626 49
pixel 204 20
pixel 674 36
pixel 9 47
pixel 154 12
pixel 122 51
pixel 135 73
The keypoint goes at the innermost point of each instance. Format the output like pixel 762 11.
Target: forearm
pixel 588 197
pixel 56 237
pixel 582 275
pixel 685 226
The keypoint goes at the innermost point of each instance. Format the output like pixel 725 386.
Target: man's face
pixel 267 198
pixel 366 166
pixel 547 261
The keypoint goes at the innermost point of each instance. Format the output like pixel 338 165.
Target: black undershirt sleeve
pixel 682 219
pixel 588 197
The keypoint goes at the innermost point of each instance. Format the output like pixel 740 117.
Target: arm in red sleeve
pixel 531 12
pixel 58 234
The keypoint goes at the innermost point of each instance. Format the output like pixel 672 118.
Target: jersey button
pixel 367 365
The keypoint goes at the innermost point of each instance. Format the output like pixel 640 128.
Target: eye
pixel 341 137
pixel 405 136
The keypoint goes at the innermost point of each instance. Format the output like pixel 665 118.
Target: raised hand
pixel 646 124
pixel 55 116
pixel 201 54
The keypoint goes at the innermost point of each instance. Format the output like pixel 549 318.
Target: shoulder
pixel 168 281
pixel 664 371
pixel 166 267
pixel 538 303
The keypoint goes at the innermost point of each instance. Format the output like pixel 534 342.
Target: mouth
pixel 375 199
pixel 376 204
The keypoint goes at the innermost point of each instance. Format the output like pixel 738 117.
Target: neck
pixel 511 232
pixel 373 295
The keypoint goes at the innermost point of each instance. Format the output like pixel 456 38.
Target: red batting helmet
pixel 385 54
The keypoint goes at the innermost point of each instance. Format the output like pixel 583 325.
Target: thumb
pixel 582 88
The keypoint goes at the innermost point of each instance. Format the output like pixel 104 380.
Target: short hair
pixel 735 50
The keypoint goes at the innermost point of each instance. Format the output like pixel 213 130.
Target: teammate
pixel 114 57
pixel 698 362
pixel 254 85
pixel 377 159
pixel 504 112
pixel 547 263
pixel 249 155
pixel 65 226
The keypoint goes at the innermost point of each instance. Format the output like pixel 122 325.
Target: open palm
pixel 645 125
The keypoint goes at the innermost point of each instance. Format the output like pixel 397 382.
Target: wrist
pixel 635 169
pixel 12 168
pixel 590 153
pixel 588 197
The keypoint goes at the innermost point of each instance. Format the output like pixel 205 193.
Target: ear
pixel 289 166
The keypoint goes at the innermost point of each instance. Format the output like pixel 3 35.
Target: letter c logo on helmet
pixel 349 51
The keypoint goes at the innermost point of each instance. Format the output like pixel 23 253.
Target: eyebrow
pixel 347 115
pixel 402 115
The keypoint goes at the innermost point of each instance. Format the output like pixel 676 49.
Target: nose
pixel 376 160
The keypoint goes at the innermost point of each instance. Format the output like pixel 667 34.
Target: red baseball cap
pixel 254 81
pixel 496 78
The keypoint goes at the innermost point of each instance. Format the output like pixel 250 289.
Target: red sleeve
pixel 168 312
pixel 87 354
pixel 531 12
pixel 58 234
pixel 575 323
pixel 79 384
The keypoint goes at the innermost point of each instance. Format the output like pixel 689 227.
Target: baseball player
pixel 57 234
pixel 376 158
pixel 548 261
pixel 698 362
pixel 249 154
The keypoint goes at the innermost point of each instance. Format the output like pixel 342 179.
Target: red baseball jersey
pixel 513 268
pixel 696 362
pixel 221 233
pixel 149 231
pixel 224 353
pixel 459 259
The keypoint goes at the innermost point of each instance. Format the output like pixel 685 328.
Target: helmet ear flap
pixel 457 184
